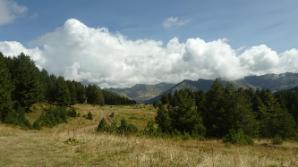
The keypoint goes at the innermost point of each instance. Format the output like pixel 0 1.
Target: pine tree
pixel 5 90
pixel 215 110
pixel 61 92
pixel 184 116
pixel 163 120
pixel 26 79
pixel 81 93
pixel 73 92
pixel 274 121
pixel 94 95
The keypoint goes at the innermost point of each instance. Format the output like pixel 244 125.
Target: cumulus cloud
pixel 174 22
pixel 14 48
pixel 10 10
pixel 83 53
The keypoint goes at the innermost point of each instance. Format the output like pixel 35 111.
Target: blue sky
pixel 243 23
pixel 152 41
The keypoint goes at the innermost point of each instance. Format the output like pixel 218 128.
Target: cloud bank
pixel 83 53
pixel 9 11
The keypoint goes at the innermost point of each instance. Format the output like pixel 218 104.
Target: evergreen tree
pixel 73 91
pixel 26 79
pixel 215 110
pixel 5 90
pixel 58 91
pixel 274 121
pixel 94 95
pixel 81 93
pixel 184 116
pixel 163 119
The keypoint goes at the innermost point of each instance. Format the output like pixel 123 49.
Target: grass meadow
pixel 76 143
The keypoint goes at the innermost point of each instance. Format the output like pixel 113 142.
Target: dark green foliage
pixel 5 90
pixel 26 79
pixel 94 95
pixel 150 129
pixel 72 113
pixel 58 92
pixel 184 116
pixel 111 98
pixel 53 116
pixel 238 137
pixel 123 128
pixel 229 112
pixel 180 115
pixel 163 120
pixel 80 92
pixel 103 126
pixel 126 128
pixel 89 116
pixel 277 140
pixel 274 121
pixel 289 101
pixel 17 117
pixel 22 84
pixel 72 92
pixel 215 111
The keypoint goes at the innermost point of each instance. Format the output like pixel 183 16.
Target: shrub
pixel 126 128
pixel 72 113
pixel 52 117
pixel 237 137
pixel 103 126
pixel 150 129
pixel 89 116
pixel 277 140
pixel 17 117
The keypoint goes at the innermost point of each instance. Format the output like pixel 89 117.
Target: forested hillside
pixel 23 84
pixel 230 113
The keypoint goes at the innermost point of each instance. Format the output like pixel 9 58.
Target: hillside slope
pixel 142 92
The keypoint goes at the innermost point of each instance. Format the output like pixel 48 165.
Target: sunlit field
pixel 77 143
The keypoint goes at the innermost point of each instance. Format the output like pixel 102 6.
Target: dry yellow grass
pixel 47 147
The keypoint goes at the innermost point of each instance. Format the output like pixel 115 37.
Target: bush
pixel 52 117
pixel 17 117
pixel 277 140
pixel 150 129
pixel 126 128
pixel 72 113
pixel 103 126
pixel 89 116
pixel 237 137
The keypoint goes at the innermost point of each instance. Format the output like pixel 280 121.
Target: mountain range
pixel 149 93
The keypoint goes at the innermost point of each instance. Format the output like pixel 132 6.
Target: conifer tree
pixel 61 91
pixel 215 110
pixel 5 90
pixel 184 116
pixel 94 95
pixel 163 119
pixel 26 79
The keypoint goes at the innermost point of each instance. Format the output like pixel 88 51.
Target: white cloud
pixel 9 11
pixel 82 53
pixel 174 22
pixel 260 60
pixel 13 49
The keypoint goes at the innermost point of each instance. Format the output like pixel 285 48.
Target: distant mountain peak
pixel 151 92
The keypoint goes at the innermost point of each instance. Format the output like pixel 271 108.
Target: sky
pixel 121 43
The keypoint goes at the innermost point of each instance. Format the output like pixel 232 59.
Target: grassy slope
pixel 47 147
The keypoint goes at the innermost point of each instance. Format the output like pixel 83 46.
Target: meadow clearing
pixel 77 143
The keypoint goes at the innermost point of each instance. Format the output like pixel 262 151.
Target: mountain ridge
pixel 273 82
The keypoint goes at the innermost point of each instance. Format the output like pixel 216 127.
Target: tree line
pixel 227 112
pixel 23 84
